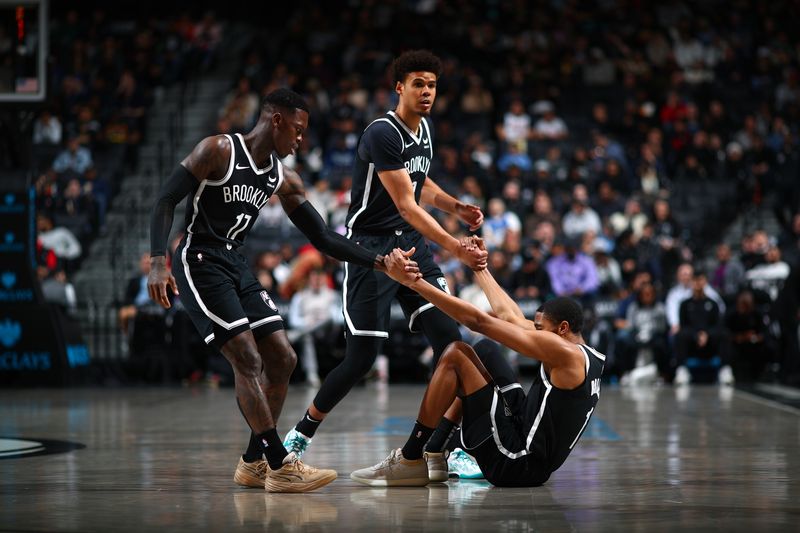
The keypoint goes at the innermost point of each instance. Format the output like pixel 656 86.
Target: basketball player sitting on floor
pixel 517 439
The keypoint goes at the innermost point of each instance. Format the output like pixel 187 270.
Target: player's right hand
pixel 473 254
pixel 158 280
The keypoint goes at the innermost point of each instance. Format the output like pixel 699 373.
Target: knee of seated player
pixel 455 354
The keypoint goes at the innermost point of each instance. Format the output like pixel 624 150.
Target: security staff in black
pixel 228 179
pixel 516 439
pixel 390 179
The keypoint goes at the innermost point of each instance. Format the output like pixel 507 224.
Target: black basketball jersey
pixel 559 417
pixel 222 212
pixel 387 144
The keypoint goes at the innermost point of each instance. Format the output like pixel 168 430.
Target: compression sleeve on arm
pixel 307 220
pixel 179 184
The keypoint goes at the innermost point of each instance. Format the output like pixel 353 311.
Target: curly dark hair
pixel 285 98
pixel 563 308
pixel 415 61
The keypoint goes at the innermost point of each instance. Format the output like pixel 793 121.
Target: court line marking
pixel 766 401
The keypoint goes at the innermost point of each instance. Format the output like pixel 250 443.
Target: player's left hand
pixel 471 215
pixel 401 268
pixel 410 265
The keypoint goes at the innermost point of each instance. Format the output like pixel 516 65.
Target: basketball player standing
pixel 390 180
pixel 230 177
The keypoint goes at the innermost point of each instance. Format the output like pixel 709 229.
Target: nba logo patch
pixel 443 284
pixel 268 300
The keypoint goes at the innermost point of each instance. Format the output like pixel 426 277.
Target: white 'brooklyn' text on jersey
pixel 387 144
pixel 222 212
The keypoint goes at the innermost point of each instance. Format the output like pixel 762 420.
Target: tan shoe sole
pixel 276 485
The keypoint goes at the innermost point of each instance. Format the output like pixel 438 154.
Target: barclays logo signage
pixel 9 292
pixel 10 335
pixel 10 204
pixel 10 332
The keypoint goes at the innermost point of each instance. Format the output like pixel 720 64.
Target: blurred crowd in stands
pixel 585 136
pixel 104 74
pixel 611 146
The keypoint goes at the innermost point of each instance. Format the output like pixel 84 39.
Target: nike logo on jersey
pixel 241 167
pixel 409 145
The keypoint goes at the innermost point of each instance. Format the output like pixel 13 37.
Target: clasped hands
pixel 400 267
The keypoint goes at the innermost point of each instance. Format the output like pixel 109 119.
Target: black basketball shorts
pixel 493 432
pixel 221 294
pixel 367 294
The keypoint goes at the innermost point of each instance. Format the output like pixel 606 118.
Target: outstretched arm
pixel 502 304
pixel 293 199
pixel 398 184
pixel 433 195
pixel 547 347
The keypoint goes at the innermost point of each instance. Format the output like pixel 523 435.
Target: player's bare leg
pixel 278 360
pixel 287 473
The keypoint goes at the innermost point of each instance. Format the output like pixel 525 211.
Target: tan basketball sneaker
pixel 251 474
pixel 295 476
pixel 437 466
pixel 394 471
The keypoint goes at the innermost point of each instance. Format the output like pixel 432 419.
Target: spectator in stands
pixel 240 106
pixel 531 280
pixel 751 345
pixel 542 211
pixel 631 218
pixel 609 274
pixel 667 234
pixel 767 278
pixel 549 127
pixel 701 334
pixel 207 35
pixel 500 226
pixel 515 130
pixel 75 158
pixel 60 240
pixel 572 273
pixel 607 201
pixel 644 348
pixel 683 290
pixel 581 219
pixel 76 211
pixel 477 105
pixel 754 248
pixel 142 321
pixel 312 312
pixel 270 261
pixel 135 295
pixel 56 289
pixel 727 272
pixel 47 129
